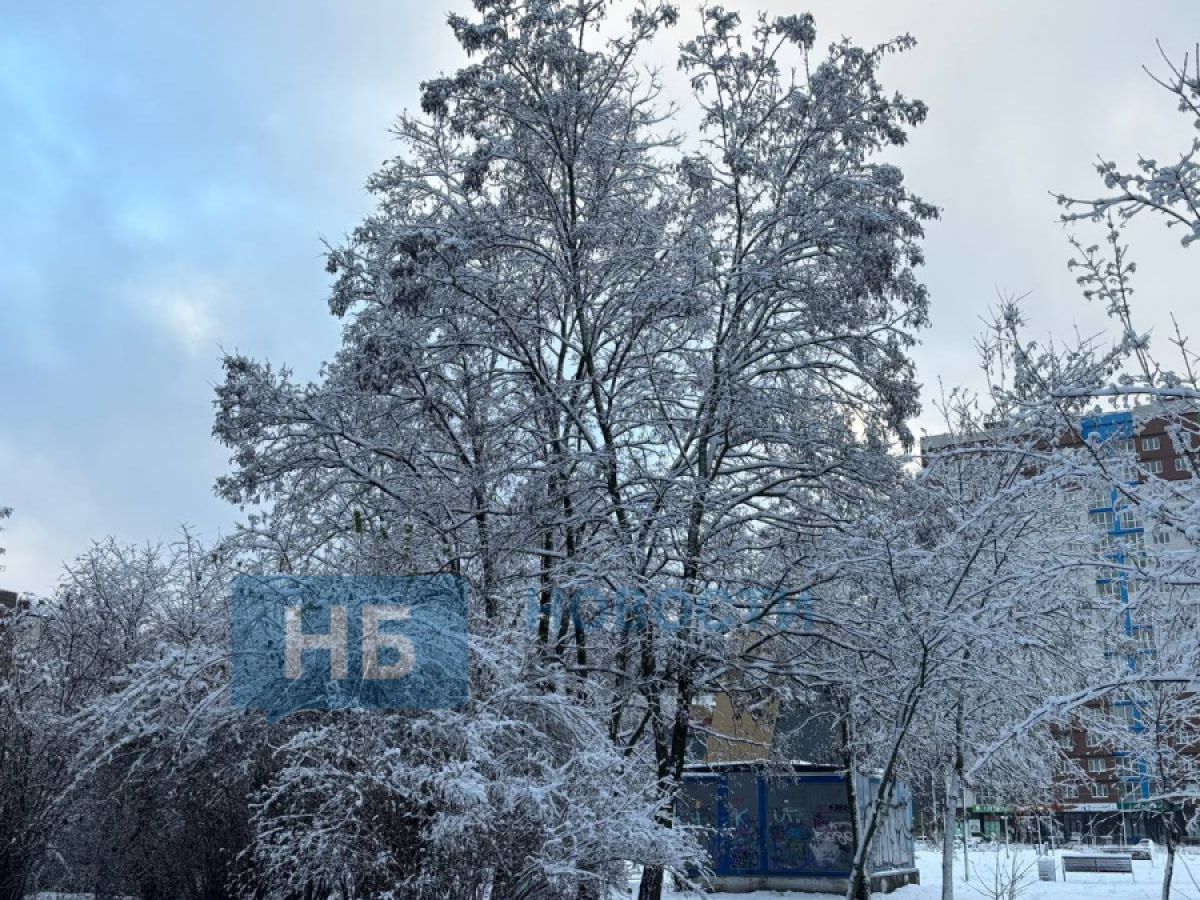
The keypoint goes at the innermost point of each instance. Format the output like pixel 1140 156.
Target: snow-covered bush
pixel 515 795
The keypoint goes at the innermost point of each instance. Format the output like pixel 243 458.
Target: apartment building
pixel 1112 798
pixel 1103 791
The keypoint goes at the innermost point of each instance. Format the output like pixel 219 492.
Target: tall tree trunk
pixel 960 780
pixel 852 798
pixel 672 755
pixel 1169 867
pixel 860 874
pixel 950 811
pixel 651 885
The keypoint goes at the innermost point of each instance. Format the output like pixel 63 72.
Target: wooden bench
pixel 1137 851
pixel 1106 863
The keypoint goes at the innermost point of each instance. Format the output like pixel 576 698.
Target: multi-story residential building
pixel 1104 790
pixel 1111 801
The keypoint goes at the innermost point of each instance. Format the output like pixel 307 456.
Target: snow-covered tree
pixel 32 752
pixel 946 617
pixel 1150 726
pixel 148 800
pixel 1168 191
pixel 32 757
pixel 578 359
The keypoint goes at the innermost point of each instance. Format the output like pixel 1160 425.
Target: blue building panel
pixel 772 824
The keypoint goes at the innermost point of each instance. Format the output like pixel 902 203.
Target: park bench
pixel 1137 851
pixel 1114 863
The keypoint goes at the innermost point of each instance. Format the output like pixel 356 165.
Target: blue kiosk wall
pixel 786 829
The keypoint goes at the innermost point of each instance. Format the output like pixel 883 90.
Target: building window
pixel 1152 467
pixel 1126 767
pixel 1181 464
pixel 1094 740
pixel 1132 544
pixel 1102 520
pixel 1070 791
pixel 1099 791
pixel 1065 741
pixel 1129 520
pixel 1097 763
pixel 1162 535
pixel 1151 443
pixel 1108 590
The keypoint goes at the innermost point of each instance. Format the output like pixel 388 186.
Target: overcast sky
pixel 167 172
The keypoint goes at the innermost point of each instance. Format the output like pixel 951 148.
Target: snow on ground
pixel 1146 883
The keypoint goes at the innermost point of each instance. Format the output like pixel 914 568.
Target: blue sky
pixel 167 172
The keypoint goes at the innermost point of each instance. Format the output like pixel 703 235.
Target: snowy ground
pixel 1146 883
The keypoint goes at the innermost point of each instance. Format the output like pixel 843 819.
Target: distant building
pixel 29 633
pixel 8 602
pixel 1106 799
pixel 726 734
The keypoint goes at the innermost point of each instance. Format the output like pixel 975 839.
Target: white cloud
pixel 188 319
pixel 183 308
